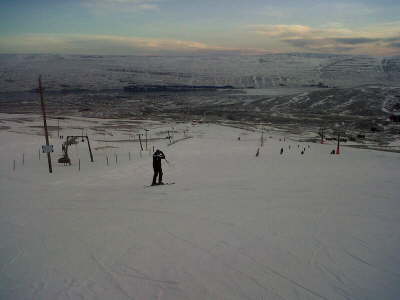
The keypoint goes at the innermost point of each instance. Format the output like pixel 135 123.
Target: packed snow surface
pixel 233 226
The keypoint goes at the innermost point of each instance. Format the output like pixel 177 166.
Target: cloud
pixel 358 40
pixel 326 11
pixel 332 39
pixel 128 6
pixel 281 30
pixel 395 44
pixel 320 45
pixel 107 44
pixel 297 31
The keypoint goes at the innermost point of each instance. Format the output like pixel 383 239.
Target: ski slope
pixel 234 226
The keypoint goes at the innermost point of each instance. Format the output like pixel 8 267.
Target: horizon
pixel 194 54
pixel 175 27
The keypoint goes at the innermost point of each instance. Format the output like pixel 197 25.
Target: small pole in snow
pixel 262 138
pixel 146 130
pixel 79 164
pixel 169 137
pixel 322 135
pixel 14 165
pixel 107 159
pixel 338 144
pixel 23 158
pixel 116 158
pixel 39 153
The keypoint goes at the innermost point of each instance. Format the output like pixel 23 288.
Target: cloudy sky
pixel 150 27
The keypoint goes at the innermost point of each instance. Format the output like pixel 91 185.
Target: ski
pixel 166 183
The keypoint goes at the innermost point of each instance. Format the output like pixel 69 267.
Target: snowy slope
pixel 234 226
pixel 69 72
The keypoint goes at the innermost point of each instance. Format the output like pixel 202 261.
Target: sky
pixel 176 27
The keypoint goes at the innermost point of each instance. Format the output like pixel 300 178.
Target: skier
pixel 157 157
pixel 281 151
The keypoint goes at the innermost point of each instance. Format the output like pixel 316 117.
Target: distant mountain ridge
pixel 19 72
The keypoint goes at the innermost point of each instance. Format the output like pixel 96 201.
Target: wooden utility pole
pixel 46 133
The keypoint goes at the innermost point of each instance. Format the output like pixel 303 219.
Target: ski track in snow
pixel 234 226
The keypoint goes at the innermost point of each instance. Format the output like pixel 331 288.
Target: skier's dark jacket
pixel 157 157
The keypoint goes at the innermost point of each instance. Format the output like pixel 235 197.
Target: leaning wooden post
pixel 140 141
pixel 46 133
pixel 90 149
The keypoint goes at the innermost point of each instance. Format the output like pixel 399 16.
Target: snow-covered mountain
pixel 361 101
pixel 65 72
